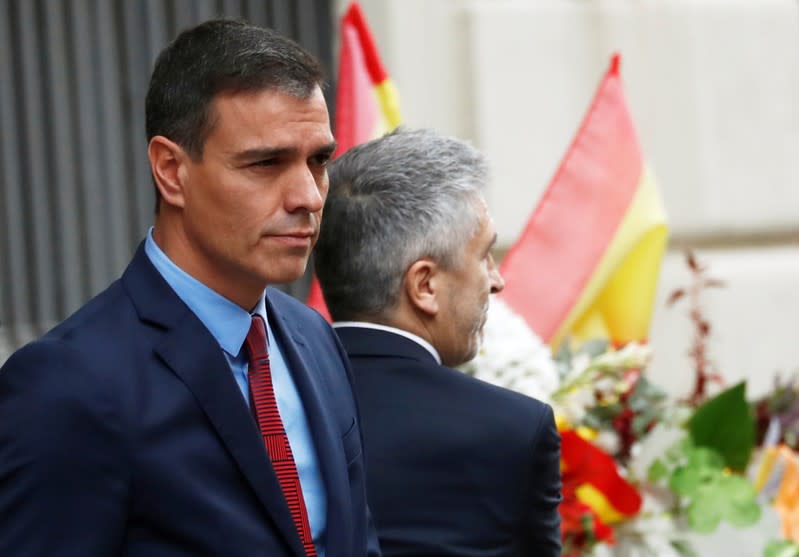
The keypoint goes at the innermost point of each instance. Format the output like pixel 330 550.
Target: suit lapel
pixel 326 436
pixel 192 353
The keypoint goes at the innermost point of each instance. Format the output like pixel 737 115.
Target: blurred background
pixel 713 87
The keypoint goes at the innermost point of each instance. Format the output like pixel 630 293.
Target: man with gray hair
pixel 455 466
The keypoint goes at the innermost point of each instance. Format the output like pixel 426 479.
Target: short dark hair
pixel 220 55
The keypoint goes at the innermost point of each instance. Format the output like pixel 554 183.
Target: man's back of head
pixel 406 239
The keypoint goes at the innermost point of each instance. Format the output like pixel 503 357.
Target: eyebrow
pixel 260 153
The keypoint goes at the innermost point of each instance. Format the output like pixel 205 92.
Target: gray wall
pixel 75 190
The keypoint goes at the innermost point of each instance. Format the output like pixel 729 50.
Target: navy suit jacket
pixel 455 466
pixel 123 432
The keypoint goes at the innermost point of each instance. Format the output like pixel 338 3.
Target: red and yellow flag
pixel 367 104
pixel 588 259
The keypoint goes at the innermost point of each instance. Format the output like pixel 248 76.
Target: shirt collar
pixel 415 338
pixel 226 321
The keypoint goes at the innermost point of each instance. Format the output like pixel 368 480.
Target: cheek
pixel 485 283
pixel 324 186
pixel 209 196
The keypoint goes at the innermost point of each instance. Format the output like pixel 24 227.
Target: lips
pixel 298 234
pixel 296 238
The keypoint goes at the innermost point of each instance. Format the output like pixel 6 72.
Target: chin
pixel 278 266
pixel 467 355
pixel 285 274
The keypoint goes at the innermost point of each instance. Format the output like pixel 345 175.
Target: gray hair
pixel 409 195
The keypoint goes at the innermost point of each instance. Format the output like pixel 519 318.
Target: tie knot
pixel 256 338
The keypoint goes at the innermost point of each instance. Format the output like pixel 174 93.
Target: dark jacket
pixel 123 432
pixel 455 466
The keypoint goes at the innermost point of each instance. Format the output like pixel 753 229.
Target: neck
pixel 410 321
pixel 172 240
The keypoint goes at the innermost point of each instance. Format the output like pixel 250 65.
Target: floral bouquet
pixel 645 474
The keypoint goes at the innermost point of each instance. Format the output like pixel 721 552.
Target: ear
pixel 421 281
pixel 167 163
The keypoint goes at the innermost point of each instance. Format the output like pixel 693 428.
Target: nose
pixel 496 281
pixel 306 191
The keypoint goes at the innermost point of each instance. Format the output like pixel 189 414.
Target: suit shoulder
pixel 518 417
pixel 500 417
pixel 85 347
pixel 495 392
pixel 99 314
pixel 49 349
pixel 502 405
pixel 54 376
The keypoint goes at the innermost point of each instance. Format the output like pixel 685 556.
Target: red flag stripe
pixel 354 17
pixel 578 214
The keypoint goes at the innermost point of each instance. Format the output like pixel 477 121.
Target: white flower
pixel 650 532
pixel 513 356
pixel 579 365
pixel 608 440
pixel 574 405
pixel 632 355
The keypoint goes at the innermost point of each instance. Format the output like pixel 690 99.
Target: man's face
pixel 464 303
pixel 253 204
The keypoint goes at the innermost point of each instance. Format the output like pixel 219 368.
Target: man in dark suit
pixel 189 409
pixel 455 466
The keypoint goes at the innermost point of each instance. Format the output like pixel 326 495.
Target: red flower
pixel 580 527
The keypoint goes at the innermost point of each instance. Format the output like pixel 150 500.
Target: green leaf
pixel 595 347
pixel 638 404
pixel 781 548
pixel 641 423
pixel 592 420
pixel 704 514
pixel 742 509
pixel 564 353
pixel 686 481
pixel 652 389
pixel 657 471
pixel 703 457
pixel 725 424
pixel 680 450
pixel 743 515
pixel 684 548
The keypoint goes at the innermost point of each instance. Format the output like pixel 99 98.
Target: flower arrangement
pixel 645 474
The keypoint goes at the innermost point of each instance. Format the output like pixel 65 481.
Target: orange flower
pixel 787 501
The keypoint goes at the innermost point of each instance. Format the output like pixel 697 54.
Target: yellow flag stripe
pixel 617 301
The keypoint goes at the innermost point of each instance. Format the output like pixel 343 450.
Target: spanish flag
pixel 587 262
pixel 367 104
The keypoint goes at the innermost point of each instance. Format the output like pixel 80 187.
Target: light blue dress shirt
pixel 229 324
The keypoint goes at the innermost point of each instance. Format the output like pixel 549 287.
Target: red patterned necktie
pixel 262 397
